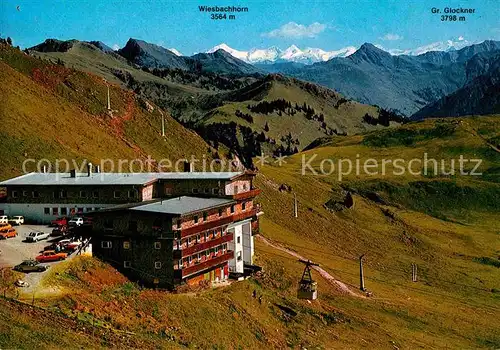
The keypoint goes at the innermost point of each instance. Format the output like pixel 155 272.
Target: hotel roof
pixel 175 206
pixel 102 178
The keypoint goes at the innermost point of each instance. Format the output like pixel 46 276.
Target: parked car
pixel 10 233
pixel 50 255
pixel 76 221
pixel 30 266
pixel 60 221
pixel 17 220
pixel 36 236
pixel 4 219
pixel 59 230
pixel 5 227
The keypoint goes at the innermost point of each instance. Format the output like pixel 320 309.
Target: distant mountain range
pixel 291 54
pixel 370 75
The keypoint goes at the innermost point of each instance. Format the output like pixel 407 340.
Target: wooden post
pixel 295 206
pixel 162 124
pixel 361 276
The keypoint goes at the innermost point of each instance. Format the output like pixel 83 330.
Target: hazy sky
pixel 329 25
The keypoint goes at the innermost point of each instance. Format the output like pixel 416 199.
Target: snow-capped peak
pixel 291 54
pixel 242 55
pixel 175 51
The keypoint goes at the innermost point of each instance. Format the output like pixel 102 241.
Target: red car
pixel 50 255
pixel 62 221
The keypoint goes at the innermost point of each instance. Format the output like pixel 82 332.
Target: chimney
pixel 97 169
pixel 44 169
pixel 72 173
pixel 188 167
pixel 89 169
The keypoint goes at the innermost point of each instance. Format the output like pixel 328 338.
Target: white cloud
pixel 116 47
pixel 295 30
pixel 391 37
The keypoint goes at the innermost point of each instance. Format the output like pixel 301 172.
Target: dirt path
pixel 474 132
pixel 338 284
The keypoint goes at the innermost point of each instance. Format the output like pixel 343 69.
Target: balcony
pixel 198 247
pixel 217 223
pixel 196 268
pixel 245 195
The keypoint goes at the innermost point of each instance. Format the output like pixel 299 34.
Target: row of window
pixel 126 245
pixel 189 260
pixel 204 217
pixel 83 194
pixel 66 211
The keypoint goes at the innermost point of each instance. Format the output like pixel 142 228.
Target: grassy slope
pixel 85 57
pixel 53 112
pixel 347 118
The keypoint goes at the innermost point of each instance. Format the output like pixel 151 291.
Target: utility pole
pixel 295 206
pixel 361 276
pixel 162 124
pixel 109 102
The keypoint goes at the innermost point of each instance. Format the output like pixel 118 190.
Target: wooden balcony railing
pixel 198 247
pixel 220 222
pixel 248 194
pixel 196 268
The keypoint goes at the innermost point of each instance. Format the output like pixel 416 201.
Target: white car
pixel 17 220
pixel 36 236
pixel 75 222
pixel 4 219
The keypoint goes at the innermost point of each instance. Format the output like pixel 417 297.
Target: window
pixel 80 210
pixel 207 253
pixel 205 216
pixel 157 265
pixel 238 240
pixel 232 209
pixel 132 226
pixel 220 212
pixel 216 250
pixel 126 264
pixel 55 211
pixel 157 245
pixel 243 205
pixel 83 194
pixel 190 259
pixel 126 245
pixel 238 256
pixel 206 190
pixel 206 236
pixel 25 193
pixel 108 224
pixel 235 189
pixel 46 211
pixel 64 211
pixel 63 194
pixel 194 190
pixel 198 257
pixel 97 209
pixel 117 194
pixel 179 224
pixel 106 244
pixel 197 238
pixel 14 194
pixel 189 241
pixel 224 247
pixel 95 194
pixel 35 194
pixel 195 219
pixel 215 190
pixel 132 193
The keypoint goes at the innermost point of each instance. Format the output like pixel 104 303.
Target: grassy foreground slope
pixel 49 111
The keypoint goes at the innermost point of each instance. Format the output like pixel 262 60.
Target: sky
pixel 329 25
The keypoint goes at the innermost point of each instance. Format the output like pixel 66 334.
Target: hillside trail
pixel 338 284
pixel 474 132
